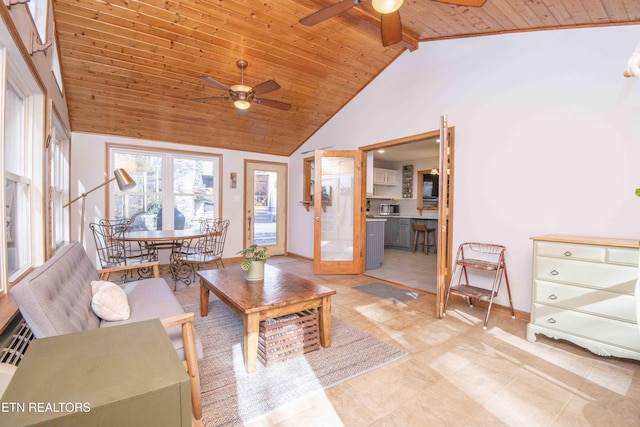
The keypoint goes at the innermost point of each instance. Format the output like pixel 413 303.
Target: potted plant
pixel 254 259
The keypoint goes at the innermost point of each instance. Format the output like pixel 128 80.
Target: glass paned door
pixel 338 202
pixel 266 190
pixel 445 213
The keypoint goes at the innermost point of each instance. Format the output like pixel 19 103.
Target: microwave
pixel 387 209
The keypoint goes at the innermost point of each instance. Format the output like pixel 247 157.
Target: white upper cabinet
pixel 385 176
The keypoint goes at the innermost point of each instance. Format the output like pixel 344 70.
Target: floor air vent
pixel 16 344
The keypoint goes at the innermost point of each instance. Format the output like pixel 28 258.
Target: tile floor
pixel 415 270
pixel 456 374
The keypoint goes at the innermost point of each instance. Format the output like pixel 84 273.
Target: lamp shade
pixel 241 104
pixel 386 6
pixel 124 180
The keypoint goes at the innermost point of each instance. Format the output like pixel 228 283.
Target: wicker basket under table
pixel 284 337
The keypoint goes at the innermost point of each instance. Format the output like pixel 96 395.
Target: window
pixel 22 123
pixel 38 10
pixel 173 190
pixel 59 183
pixel 17 183
pixel 57 72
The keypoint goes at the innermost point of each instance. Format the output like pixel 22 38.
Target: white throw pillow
pixel 109 301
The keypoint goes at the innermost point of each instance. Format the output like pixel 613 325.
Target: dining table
pixel 176 241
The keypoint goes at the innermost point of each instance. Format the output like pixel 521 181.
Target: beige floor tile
pixel 456 374
pixel 597 405
pixel 532 399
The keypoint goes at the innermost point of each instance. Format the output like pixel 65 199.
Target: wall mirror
pixel 427 189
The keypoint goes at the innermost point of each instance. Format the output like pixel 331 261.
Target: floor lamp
pixel 124 181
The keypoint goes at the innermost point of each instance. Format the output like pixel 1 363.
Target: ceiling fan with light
pixel 242 95
pixel 390 25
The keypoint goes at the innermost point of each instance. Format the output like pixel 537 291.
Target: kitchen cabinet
pixel 397 233
pixel 583 292
pixel 385 176
pixel 390 231
pixel 375 243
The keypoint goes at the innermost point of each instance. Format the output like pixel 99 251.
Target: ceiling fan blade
pixel 264 87
pixel 391 28
pixel 472 3
pixel 214 82
pixel 328 12
pixel 274 104
pixel 210 98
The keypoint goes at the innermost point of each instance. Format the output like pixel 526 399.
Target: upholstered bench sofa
pixel 56 299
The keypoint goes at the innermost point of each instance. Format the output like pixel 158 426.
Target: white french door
pixel 338 212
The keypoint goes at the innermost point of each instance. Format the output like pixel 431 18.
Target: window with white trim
pixel 173 191
pixel 22 123
pixel 56 69
pixel 38 10
pixel 17 179
pixel 59 183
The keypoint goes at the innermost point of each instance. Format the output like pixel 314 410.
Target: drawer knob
pixel 567 253
pixel 554 272
pixel 553 297
pixel 551 320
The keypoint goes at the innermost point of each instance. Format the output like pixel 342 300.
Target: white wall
pixel 547 136
pixel 89 155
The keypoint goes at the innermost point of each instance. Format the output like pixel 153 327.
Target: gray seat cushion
pixel 152 299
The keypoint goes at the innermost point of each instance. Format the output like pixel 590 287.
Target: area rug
pixel 231 397
pixel 388 292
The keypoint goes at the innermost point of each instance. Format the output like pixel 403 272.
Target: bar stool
pixel 420 229
pixel 431 240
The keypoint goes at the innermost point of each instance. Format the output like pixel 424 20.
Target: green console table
pixel 127 375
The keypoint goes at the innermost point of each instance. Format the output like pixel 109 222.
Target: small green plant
pixel 253 253
pixel 638 192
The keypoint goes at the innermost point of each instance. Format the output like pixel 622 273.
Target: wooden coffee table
pixel 280 293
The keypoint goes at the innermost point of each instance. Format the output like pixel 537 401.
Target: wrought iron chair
pixel 112 250
pixel 207 249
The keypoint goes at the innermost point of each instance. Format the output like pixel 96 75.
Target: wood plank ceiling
pixel 131 67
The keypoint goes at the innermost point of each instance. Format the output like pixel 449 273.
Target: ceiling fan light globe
pixel 242 105
pixel 240 88
pixel 386 6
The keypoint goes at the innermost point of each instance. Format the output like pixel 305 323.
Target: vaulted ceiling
pixel 133 67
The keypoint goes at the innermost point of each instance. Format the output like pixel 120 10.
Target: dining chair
pixel 219 227
pixel 112 250
pixel 207 249
pixel 132 250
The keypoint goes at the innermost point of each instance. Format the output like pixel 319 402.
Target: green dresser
pixel 128 375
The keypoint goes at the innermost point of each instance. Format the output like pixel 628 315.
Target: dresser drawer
pixel 615 278
pixel 601 329
pixel 624 256
pixel 571 251
pixel 593 301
